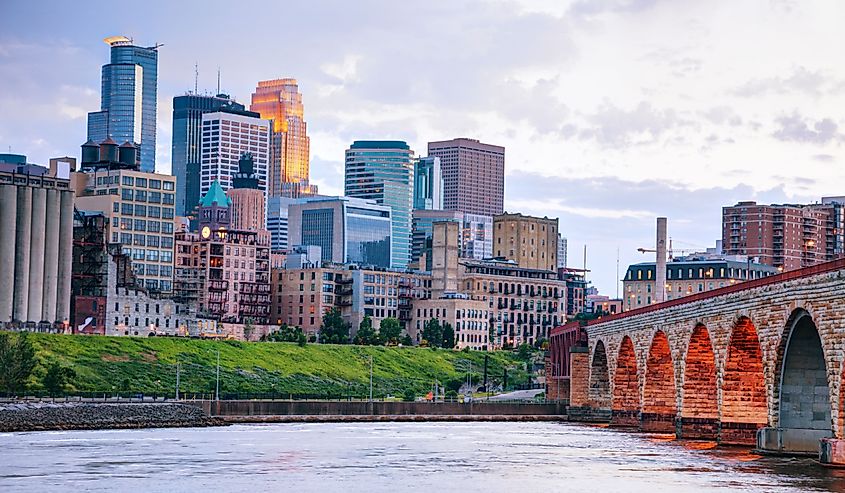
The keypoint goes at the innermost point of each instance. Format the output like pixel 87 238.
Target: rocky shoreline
pixel 43 416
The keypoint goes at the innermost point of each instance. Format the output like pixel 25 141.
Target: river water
pixel 393 457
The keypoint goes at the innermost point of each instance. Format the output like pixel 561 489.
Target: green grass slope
pixel 114 364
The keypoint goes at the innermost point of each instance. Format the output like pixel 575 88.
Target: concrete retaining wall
pixel 345 408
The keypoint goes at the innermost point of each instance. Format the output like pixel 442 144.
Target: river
pixel 393 457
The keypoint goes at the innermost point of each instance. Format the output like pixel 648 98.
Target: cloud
pixel 795 128
pixel 801 80
pixel 644 124
pixel 607 213
pixel 825 158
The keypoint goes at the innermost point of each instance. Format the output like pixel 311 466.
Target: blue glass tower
pixel 383 171
pixel 186 152
pixel 128 99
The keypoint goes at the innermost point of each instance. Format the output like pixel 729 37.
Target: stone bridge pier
pixel 758 363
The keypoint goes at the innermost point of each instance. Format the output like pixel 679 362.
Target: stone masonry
pixel 712 365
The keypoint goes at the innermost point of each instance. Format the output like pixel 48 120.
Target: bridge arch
pixel 744 405
pixel 599 392
pixel 699 402
pixel 626 387
pixel 659 397
pixel 802 394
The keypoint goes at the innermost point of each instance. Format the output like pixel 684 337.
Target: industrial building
pixel 36 226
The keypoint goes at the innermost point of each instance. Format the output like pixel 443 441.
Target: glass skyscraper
pixel 128 99
pixel 348 230
pixel 382 171
pixel 280 100
pixel 428 183
pixel 186 152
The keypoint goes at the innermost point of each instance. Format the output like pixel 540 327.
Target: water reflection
pixel 390 457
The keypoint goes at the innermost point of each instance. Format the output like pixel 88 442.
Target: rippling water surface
pixel 437 457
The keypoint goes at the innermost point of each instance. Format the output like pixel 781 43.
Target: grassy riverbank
pixel 112 364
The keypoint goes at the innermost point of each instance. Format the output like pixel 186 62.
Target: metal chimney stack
pixel 660 270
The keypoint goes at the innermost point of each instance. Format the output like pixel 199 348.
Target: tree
pixel 334 330
pixel 286 333
pixel 17 360
pixel 433 333
pixel 409 395
pixel 524 352
pixel 406 340
pixel 57 377
pixel 301 339
pixel 448 336
pixel 366 335
pixel 390 330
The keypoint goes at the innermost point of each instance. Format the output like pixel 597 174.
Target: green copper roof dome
pixel 215 194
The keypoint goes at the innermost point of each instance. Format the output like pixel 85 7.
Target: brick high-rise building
pixel 790 236
pixel 473 175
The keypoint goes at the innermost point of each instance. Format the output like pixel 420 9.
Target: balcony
pixel 218 285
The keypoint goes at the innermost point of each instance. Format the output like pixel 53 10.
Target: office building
pixel 279 100
pixel 247 200
pixel 561 251
pixel 186 153
pixel 128 99
pixel 348 230
pixel 689 275
pixel 477 236
pixel 421 234
pixel 36 224
pixel 277 222
pixel 140 207
pixel 473 175
pixel 383 171
pixel 428 184
pixel 227 135
pixel 789 236
pixel 532 242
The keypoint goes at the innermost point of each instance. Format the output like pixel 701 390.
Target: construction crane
pixel 670 250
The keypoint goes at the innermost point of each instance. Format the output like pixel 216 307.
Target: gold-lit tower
pixel 279 100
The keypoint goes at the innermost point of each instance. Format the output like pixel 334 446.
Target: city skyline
pixel 707 127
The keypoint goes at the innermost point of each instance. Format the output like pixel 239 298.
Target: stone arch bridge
pixel 759 362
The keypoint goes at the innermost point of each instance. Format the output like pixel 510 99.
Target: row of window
pixel 144 196
pixel 128 209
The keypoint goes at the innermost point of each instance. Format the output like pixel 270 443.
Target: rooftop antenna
pixel 218 80
pixel 196 76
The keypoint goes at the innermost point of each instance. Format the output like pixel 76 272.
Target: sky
pixel 612 112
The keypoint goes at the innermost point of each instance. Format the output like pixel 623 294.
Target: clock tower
pixel 214 210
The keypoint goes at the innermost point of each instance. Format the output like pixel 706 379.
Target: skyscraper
pixel 347 230
pixel 226 136
pixel 247 209
pixel 128 99
pixel 473 175
pixel 186 152
pixel 428 183
pixel 381 170
pixel 279 100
